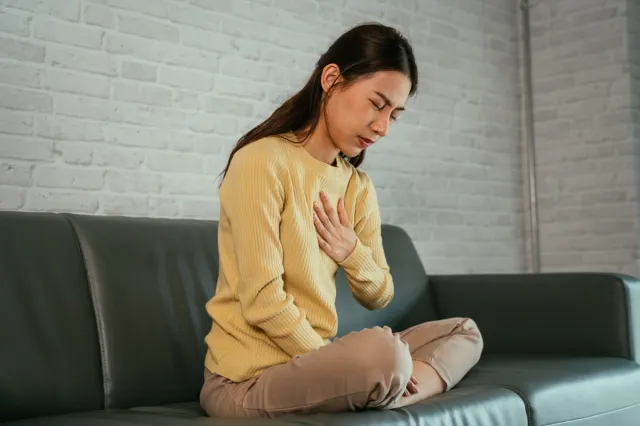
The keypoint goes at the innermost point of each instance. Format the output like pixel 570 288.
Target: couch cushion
pixel 478 406
pixel 412 301
pixel 150 279
pixel 50 355
pixel 474 406
pixel 580 390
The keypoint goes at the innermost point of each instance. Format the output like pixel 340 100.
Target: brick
pixel 19 74
pixel 25 100
pixel 71 34
pixel 140 48
pixel 212 123
pixel 62 201
pixel 238 88
pixel 138 137
pixel 591 16
pixel 222 105
pixel 15 174
pixel 188 79
pixel 82 60
pixel 87 107
pixel 190 16
pixel 147 28
pixel 20 50
pixel 99 15
pixel 11 198
pixel 193 58
pixel 186 99
pixel 25 149
pixel 124 205
pixel 164 207
pixel 71 129
pixel 72 82
pixel 173 162
pixel 118 157
pixel 14 23
pixel 207 40
pixel 248 49
pixel 153 116
pixel 243 68
pixel 64 9
pixel 140 182
pixel 16 122
pixel 74 153
pixel 142 93
pixel 74 178
pixel 188 184
pixel 216 6
pixel 145 7
pixel 203 209
pixel 139 71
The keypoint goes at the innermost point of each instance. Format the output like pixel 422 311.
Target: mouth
pixel 364 142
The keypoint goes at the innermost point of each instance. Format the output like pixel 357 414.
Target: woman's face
pixel 360 114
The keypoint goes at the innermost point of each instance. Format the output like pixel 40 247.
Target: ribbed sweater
pixel 276 290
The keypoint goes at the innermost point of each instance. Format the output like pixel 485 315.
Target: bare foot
pixel 429 384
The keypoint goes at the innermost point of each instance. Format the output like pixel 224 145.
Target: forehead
pixel 392 84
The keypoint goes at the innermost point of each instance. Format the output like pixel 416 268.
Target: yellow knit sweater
pixel 275 296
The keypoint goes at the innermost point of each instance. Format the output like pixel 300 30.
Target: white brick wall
pixel 130 107
pixel 586 143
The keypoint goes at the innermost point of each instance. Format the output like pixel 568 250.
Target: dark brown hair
pixel 363 50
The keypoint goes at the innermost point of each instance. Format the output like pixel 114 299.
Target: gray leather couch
pixel 102 322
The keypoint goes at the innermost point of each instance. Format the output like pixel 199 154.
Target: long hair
pixel 363 50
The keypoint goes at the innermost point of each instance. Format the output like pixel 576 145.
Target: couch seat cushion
pixel 474 406
pixel 560 389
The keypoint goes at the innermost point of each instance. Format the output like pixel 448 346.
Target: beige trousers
pixel 367 369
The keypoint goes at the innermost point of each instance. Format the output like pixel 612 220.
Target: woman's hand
pixel 335 233
pixel 412 387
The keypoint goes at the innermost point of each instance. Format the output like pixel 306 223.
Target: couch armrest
pixel 590 314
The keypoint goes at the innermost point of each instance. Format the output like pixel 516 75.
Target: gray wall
pixel 586 101
pixel 122 107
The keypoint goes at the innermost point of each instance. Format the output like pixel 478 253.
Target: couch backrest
pixel 150 280
pixel 128 323
pixel 49 351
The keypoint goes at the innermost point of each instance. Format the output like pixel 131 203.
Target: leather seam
pixel 527 405
pixel 96 309
pixel 594 415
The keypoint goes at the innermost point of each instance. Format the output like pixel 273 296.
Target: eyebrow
pixel 387 101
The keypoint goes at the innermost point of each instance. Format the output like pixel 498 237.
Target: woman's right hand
pixel 412 387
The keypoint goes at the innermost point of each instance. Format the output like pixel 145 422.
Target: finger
pixel 414 380
pixel 322 231
pixel 323 217
pixel 324 245
pixel 342 213
pixel 331 212
pixel 412 388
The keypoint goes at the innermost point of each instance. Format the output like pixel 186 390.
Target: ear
pixel 330 75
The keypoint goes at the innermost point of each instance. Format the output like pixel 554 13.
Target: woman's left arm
pixel 358 248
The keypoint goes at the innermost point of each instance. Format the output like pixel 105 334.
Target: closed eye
pixel 378 107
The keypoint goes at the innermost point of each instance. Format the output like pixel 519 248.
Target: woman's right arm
pixel 252 197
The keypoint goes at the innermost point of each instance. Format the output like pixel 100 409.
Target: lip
pixel 364 142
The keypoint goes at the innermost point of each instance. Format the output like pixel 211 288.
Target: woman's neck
pixel 319 145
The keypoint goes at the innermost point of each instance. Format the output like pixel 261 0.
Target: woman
pixel 295 208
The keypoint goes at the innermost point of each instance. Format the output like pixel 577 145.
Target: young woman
pixel 295 208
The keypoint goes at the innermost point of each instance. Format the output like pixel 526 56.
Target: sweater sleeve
pixel 252 196
pixel 366 267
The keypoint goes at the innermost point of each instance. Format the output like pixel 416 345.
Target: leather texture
pixel 49 349
pixel 110 312
pixel 565 389
pixel 150 280
pixel 412 302
pixel 567 314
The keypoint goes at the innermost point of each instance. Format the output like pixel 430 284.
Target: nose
pixel 381 126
